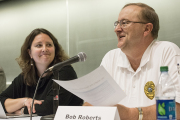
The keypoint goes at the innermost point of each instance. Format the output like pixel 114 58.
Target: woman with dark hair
pixel 39 51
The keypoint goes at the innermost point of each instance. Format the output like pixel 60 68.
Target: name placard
pixel 86 113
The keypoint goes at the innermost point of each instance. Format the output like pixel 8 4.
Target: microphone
pixel 80 57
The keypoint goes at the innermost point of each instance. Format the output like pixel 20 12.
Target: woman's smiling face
pixel 42 50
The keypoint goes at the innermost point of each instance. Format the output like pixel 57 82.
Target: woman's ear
pixel 29 52
pixel 148 29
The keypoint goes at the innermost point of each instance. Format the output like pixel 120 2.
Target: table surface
pixel 24 118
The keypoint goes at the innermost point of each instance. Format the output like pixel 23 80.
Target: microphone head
pixel 82 56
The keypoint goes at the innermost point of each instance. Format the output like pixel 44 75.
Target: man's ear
pixel 148 29
pixel 29 52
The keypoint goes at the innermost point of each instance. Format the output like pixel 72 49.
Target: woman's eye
pixel 49 45
pixel 38 45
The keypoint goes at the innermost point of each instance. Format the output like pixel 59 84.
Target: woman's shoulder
pixel 67 73
pixel 17 82
pixel 19 79
pixel 68 67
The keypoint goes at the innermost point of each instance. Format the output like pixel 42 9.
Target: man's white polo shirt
pixel 158 53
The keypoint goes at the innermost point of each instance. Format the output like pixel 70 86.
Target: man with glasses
pixel 136 65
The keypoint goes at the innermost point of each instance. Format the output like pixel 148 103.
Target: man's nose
pixel 118 28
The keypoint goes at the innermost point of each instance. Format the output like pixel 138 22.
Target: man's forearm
pixel 126 113
pixel 149 113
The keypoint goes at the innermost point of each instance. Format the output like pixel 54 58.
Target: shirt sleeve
pixel 170 54
pixel 10 92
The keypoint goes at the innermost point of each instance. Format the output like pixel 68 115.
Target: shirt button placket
pixel 134 80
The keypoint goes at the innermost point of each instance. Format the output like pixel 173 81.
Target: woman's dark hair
pixel 30 71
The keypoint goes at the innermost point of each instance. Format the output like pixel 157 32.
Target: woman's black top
pixel 44 92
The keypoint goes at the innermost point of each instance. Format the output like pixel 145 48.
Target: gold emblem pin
pixel 149 89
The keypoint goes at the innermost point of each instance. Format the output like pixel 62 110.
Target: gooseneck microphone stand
pixel 55 98
pixel 35 95
pixel 56 88
pixel 80 57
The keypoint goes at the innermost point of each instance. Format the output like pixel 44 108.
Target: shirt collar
pixel 145 58
pixel 124 62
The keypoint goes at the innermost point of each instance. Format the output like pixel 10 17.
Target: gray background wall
pixel 79 25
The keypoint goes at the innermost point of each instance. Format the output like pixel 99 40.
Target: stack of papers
pixel 97 88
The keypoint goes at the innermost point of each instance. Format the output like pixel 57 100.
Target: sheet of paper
pixel 97 88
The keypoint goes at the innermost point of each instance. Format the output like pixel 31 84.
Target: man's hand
pixel 178 111
pixel 87 104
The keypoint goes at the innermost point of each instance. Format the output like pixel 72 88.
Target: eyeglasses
pixel 124 23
